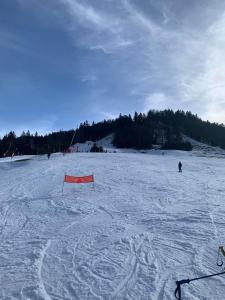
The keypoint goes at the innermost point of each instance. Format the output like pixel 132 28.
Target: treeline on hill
pixel 163 128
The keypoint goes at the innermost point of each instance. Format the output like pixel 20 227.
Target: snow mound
pixel 202 149
pixel 106 143
pixel 82 147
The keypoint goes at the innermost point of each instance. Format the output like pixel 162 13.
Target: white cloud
pixel 139 18
pixel 204 81
pixel 109 115
pixel 106 30
pixel 158 101
pixel 167 62
pixel 87 15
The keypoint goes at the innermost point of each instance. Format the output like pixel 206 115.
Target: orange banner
pixel 83 179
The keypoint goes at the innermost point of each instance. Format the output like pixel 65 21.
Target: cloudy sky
pixel 66 61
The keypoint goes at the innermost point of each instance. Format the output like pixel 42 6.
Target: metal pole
pixel 63 183
pixel 72 138
pixel 177 292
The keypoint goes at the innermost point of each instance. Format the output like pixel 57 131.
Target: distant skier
pixel 180 166
pixel 49 154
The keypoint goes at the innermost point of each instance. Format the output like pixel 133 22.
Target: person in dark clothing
pixel 180 166
pixel 49 154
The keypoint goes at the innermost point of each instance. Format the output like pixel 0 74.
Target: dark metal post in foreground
pixel 177 292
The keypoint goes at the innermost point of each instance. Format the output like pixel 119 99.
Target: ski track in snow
pixel 41 262
pixel 143 227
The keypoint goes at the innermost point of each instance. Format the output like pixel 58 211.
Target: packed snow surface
pixel 139 229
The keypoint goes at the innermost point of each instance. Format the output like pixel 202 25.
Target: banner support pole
pixel 63 183
pixel 93 182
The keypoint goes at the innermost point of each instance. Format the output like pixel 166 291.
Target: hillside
pixel 142 227
pixel 162 129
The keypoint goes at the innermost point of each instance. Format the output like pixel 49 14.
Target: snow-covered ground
pixel 142 227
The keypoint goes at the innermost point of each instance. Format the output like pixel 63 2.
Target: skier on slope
pixel 49 154
pixel 180 166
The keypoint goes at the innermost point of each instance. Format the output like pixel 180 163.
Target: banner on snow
pixel 80 179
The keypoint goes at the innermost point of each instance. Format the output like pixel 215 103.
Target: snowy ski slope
pixel 140 229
